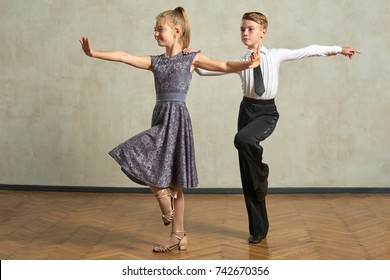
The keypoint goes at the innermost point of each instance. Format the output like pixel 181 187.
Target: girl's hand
pixel 255 59
pixel 86 46
pixel 190 50
pixel 348 51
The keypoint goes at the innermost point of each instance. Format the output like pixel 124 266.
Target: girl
pixel 163 156
pixel 258 114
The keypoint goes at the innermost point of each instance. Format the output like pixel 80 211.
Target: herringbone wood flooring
pixel 66 225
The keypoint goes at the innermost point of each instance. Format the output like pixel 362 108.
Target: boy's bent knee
pixel 241 142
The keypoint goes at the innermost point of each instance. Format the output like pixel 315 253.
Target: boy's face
pixel 252 33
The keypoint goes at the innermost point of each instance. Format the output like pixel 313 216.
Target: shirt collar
pixel 263 50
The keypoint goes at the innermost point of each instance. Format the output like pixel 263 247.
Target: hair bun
pixel 180 9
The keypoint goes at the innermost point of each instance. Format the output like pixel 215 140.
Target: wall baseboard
pixel 278 190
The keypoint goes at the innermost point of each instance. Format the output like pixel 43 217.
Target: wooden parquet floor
pixel 126 226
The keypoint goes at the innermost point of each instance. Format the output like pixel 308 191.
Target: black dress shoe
pixel 254 239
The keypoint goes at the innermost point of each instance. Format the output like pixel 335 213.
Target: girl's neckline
pixel 173 56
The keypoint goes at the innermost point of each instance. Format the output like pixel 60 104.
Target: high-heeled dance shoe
pixel 181 244
pixel 165 199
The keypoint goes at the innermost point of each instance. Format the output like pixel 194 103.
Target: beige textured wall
pixel 60 112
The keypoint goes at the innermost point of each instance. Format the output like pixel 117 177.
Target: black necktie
pixel 259 84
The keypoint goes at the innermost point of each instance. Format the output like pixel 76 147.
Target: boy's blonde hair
pixel 178 18
pixel 256 17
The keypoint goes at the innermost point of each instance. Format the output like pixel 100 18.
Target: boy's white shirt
pixel 270 61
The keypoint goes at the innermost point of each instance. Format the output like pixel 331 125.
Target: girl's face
pixel 164 34
pixel 252 34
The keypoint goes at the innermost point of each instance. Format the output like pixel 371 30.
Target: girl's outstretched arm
pixel 202 61
pixel 142 62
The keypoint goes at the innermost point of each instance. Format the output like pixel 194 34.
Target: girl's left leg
pixel 165 198
pixel 178 238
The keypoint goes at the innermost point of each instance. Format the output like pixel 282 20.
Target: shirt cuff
pixel 338 49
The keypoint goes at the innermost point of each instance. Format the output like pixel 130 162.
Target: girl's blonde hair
pixel 177 18
pixel 257 17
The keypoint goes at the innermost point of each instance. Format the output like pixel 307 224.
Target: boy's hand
pixel 190 50
pixel 348 51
